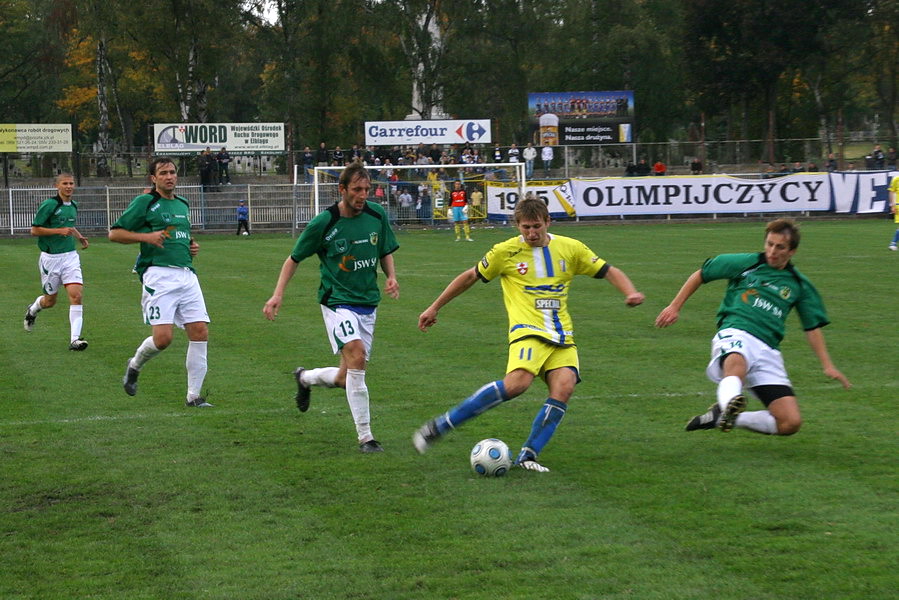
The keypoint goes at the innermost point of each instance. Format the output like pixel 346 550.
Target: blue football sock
pixel 896 237
pixel 482 400
pixel 543 428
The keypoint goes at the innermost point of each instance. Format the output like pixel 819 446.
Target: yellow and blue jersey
pixel 536 282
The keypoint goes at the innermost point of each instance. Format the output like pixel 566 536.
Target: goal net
pixel 420 194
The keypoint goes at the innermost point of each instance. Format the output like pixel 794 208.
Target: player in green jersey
pixel 160 222
pixel 762 289
pixel 351 239
pixel 59 263
pixel 535 270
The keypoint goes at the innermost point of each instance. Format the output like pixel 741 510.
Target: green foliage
pixel 107 496
pixel 326 66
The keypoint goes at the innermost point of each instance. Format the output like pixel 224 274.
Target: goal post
pixel 419 194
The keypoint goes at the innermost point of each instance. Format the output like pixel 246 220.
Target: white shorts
pixel 172 295
pixel 344 325
pixel 765 365
pixel 58 270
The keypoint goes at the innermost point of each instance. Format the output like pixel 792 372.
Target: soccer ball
pixel 246 233
pixel 491 458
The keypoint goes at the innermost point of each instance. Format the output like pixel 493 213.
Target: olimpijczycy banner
pixel 852 192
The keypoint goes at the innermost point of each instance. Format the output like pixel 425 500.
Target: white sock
pixel 196 368
pixel 145 352
pixel 324 376
pixel 357 396
pixel 761 421
pixel 76 319
pixel 36 306
pixel 728 388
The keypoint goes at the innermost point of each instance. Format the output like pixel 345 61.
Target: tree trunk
pixel 103 110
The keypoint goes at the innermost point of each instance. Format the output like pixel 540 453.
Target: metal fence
pixel 717 156
pixel 276 207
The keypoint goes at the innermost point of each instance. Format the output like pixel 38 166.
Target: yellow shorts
pixel 537 357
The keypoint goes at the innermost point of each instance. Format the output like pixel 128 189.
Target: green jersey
pixel 53 213
pixel 349 250
pixel 759 297
pixel 152 212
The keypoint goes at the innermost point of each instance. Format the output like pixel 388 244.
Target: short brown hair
pixel 531 209
pixel 785 227
pixel 351 172
pixel 160 160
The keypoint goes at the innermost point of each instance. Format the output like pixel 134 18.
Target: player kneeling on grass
pixel 351 239
pixel 762 289
pixel 535 269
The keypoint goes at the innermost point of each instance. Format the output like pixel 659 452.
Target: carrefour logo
pixel 471 131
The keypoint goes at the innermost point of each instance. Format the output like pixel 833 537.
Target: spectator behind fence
pixel 696 167
pixel 546 156
pixel 308 163
pixel 223 159
pixel 322 156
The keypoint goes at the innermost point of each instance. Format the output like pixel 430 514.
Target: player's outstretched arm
pixel 815 339
pixel 670 313
pixel 622 282
pixel 270 310
pixel 457 286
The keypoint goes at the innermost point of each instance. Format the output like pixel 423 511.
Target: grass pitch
pixel 107 496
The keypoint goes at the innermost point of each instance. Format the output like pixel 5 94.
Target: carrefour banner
pixel 237 138
pixel 855 192
pixel 35 138
pixel 409 133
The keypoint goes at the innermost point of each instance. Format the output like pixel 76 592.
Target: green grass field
pixel 107 496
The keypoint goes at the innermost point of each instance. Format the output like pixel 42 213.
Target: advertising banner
pixel 412 133
pixel 851 192
pixel 503 196
pixel 237 138
pixel 51 137
pixel 581 118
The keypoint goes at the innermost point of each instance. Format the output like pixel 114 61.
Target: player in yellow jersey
pixel 535 269
pixel 894 208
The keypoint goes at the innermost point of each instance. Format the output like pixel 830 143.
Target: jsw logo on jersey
pixel 471 131
pixel 349 263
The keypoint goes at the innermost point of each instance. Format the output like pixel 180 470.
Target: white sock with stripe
pixel 196 368
pixel 357 397
pixel 145 352
pixel 761 421
pixel 324 376
pixel 76 320
pixel 728 388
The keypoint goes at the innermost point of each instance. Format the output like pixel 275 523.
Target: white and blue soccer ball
pixel 491 458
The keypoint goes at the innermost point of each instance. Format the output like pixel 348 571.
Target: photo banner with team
pixel 851 192
pixel 581 118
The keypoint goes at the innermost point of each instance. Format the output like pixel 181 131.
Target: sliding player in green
pixel 762 289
